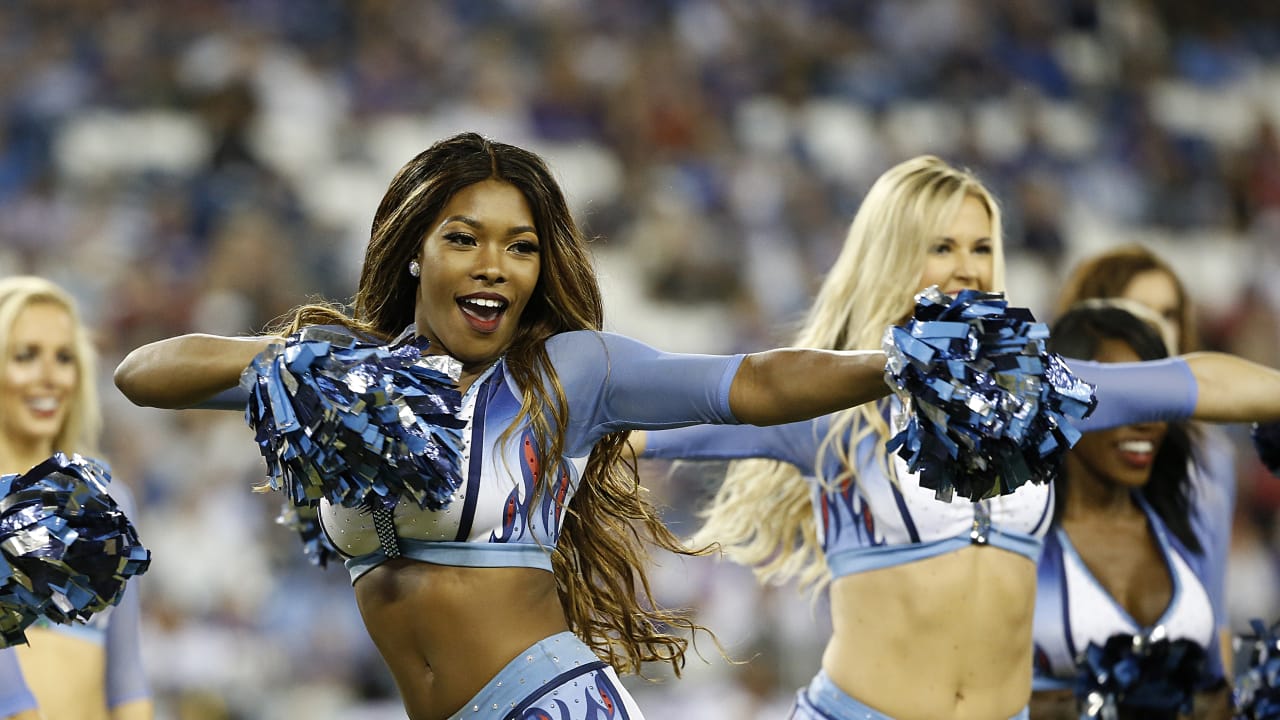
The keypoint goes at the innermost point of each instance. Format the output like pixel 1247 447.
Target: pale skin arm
pixel 181 371
pixel 1232 389
pixel 26 715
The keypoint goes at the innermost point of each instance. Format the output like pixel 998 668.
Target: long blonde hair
pixel 80 431
pixel 871 286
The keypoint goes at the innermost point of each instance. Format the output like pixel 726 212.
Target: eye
pixel 25 354
pixel 460 238
pixel 66 357
pixel 524 247
pixel 984 250
pixel 940 248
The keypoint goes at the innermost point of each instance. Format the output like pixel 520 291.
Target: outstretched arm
pixel 182 371
pixel 791 384
pixel 1209 386
pixel 1232 389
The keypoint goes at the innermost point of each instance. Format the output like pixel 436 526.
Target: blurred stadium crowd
pixel 201 165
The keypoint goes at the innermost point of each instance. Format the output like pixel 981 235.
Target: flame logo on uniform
pixel 843 508
pixel 600 701
pixel 516 511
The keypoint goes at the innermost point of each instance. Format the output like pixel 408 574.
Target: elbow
pixel 128 378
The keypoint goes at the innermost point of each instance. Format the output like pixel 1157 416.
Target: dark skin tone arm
pixel 792 384
pixel 181 371
pixel 770 387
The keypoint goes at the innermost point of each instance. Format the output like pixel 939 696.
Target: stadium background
pixel 203 166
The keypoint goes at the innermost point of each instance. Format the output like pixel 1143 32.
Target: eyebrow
pixel 472 222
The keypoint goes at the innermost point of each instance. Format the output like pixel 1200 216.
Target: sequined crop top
pixel 876 523
pixel 611 383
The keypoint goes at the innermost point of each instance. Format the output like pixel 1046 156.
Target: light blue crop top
pixel 611 383
pixel 876 523
pixel 1073 609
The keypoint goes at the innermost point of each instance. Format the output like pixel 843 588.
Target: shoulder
pixel 593 348
pixel 575 340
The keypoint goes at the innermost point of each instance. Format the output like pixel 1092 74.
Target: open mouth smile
pixel 483 311
pixel 1137 453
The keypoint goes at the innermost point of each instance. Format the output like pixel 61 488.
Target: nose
pixel 489 266
pixel 966 269
pixel 52 372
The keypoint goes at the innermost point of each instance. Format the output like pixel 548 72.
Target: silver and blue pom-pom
pixel 357 423
pixel 1257 689
pixel 1266 440
pixel 987 406
pixel 1146 672
pixel 68 548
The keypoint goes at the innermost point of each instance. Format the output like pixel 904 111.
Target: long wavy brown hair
pixel 1108 274
pixel 601 557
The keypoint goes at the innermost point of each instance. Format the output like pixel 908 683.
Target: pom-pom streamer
pixel 986 404
pixel 1257 690
pixel 1266 440
pixel 359 424
pixel 67 546
pixel 1145 672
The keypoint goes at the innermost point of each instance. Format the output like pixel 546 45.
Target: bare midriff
pixel 445 631
pixel 66 674
pixel 947 638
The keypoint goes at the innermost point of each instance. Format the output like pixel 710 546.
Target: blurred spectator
pixel 149 152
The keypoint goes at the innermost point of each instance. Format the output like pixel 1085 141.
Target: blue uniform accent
pixel 557 678
pixel 823 700
pixel 611 383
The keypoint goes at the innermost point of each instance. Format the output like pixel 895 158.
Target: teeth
pixel 486 302
pixel 1138 446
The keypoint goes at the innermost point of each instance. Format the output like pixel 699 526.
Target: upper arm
pixel 125 681
pixel 1213 481
pixel 614 383
pixel 186 370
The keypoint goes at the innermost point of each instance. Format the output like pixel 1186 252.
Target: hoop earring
pixel 414 268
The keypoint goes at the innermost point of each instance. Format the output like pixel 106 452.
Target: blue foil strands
pixel 1146 673
pixel 1257 690
pixel 68 549
pixel 359 424
pixel 1266 440
pixel 987 406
